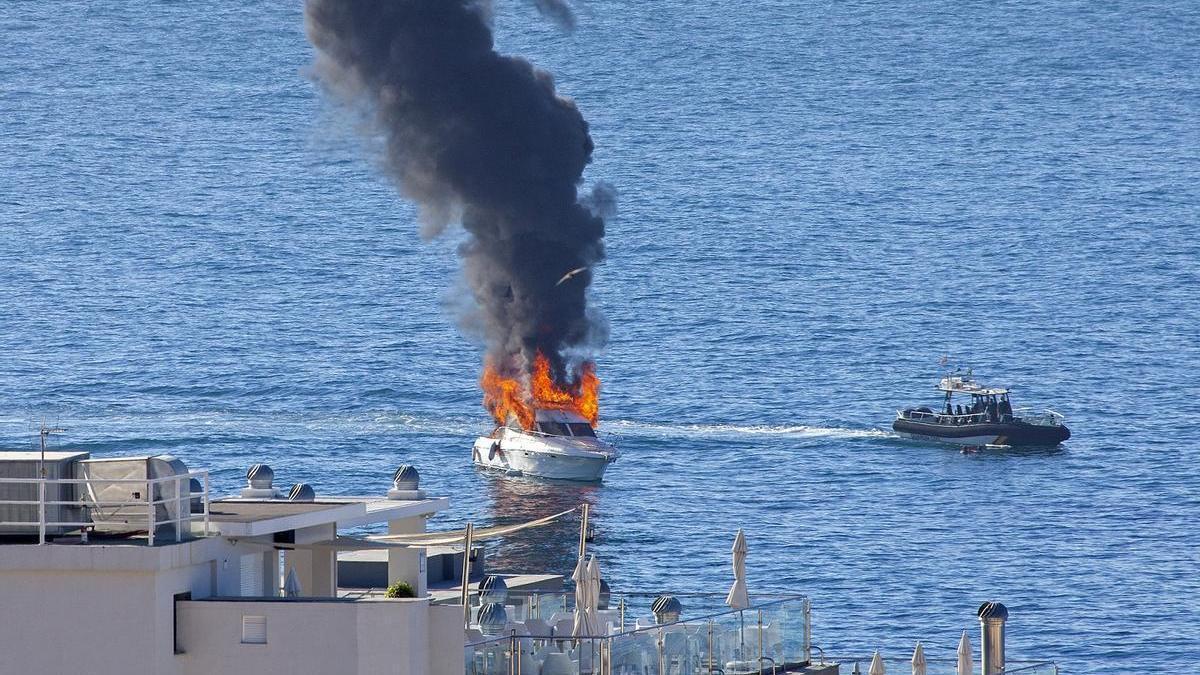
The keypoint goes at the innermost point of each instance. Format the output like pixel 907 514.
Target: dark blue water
pixel 199 255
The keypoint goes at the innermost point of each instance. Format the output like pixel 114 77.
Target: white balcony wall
pixel 367 637
pixel 108 609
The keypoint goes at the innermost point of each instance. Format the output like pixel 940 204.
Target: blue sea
pixel 200 254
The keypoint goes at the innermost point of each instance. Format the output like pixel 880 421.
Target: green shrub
pixel 400 589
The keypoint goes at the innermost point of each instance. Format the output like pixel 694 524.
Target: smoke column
pixel 482 139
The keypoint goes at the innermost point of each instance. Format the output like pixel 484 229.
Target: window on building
pixel 251 575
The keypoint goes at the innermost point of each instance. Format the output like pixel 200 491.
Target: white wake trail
pixel 732 430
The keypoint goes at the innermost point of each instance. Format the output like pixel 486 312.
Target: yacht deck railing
pixel 1047 418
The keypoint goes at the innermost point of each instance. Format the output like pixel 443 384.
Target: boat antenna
pixel 44 432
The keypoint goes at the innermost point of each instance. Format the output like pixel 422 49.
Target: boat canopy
pixel 963 384
pixel 562 423
pixel 562 416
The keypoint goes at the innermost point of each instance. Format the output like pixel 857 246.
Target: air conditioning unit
pixel 25 517
pixel 118 492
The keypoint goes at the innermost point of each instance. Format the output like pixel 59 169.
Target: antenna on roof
pixel 44 432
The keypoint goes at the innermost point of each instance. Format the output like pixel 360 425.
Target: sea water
pixel 201 256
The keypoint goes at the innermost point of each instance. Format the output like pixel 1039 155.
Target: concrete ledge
pixel 132 557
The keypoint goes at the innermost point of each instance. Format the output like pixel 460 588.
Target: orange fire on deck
pixel 507 396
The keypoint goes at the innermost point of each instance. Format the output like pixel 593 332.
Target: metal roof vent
pixel 258 483
pixel 302 492
pixel 992 616
pixel 492 618
pixel 196 503
pixel 605 595
pixel 666 609
pixel 493 588
pixel 406 484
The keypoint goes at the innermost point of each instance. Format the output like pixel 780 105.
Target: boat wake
pixel 125 431
pixel 631 428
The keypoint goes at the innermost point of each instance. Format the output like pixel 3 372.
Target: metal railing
pixel 942 417
pixel 938 666
pixel 180 499
pixel 768 637
pixel 623 607
pixel 1047 418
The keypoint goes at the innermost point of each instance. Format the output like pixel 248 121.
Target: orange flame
pixel 509 397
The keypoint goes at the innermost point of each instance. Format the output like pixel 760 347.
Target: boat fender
pixel 495 451
pixel 475 455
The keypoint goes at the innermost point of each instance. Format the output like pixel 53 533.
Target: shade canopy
pixel 456 536
pixel 739 597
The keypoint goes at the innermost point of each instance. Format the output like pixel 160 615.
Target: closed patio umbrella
pixel 918 660
pixel 593 577
pixel 584 624
pixel 965 667
pixel 739 597
pixel 876 665
pixel 291 585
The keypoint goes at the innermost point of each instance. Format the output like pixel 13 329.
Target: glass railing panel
pixel 725 641
pixel 734 646
pixel 493 657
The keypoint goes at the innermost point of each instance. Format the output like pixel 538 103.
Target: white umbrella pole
pixel 583 525
pixel 742 632
pixel 466 577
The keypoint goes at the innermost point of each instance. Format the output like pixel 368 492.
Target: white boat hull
pixel 530 456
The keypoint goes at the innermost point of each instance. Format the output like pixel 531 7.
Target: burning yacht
pixel 561 444
pixel 543 428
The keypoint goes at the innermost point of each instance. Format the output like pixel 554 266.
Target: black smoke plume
pixel 483 139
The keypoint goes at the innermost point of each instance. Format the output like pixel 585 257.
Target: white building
pixel 97 577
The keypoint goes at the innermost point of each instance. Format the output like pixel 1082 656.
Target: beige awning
pixel 351 544
pixel 339 542
pixel 457 536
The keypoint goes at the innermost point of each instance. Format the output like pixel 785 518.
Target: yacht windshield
pixel 553 428
pixel 582 429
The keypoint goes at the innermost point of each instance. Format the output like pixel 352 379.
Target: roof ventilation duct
pixel 258 483
pixel 493 588
pixel 302 492
pixel 666 609
pixel 492 618
pixel 197 490
pixel 406 484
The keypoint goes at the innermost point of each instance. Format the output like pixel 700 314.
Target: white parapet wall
pixel 367 637
pixel 103 609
